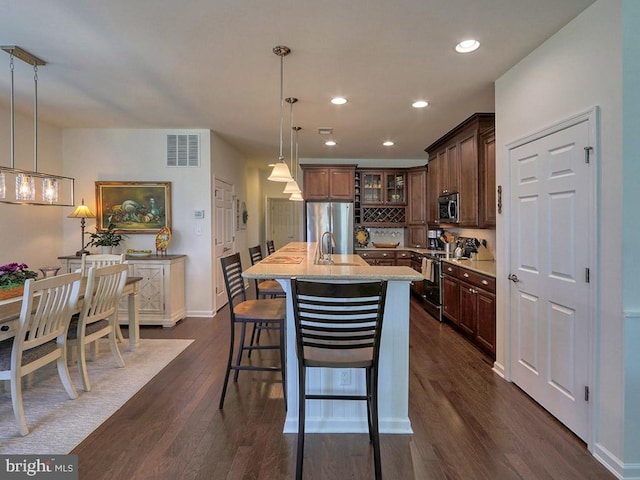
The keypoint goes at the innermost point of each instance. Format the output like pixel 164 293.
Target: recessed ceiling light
pixel 420 104
pixel 388 143
pixel 467 46
pixel 330 143
pixel 338 100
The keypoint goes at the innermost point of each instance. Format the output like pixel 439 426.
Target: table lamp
pixel 82 212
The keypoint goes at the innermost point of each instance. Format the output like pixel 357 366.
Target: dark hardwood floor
pixel 468 423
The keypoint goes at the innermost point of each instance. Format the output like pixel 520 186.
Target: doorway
pixel 224 235
pixel 552 231
pixel 283 221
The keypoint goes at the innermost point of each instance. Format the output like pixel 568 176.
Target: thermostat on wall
pixel 198 214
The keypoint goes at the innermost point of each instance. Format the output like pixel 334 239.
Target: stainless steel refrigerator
pixel 334 217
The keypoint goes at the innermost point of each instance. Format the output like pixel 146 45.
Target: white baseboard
pixel 630 471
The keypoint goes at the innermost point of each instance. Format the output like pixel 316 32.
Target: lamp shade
pixel 292 187
pixel 296 197
pixel 280 173
pixel 82 211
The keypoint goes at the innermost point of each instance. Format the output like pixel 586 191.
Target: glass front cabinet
pixel 383 188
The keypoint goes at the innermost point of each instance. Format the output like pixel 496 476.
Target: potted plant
pixel 12 278
pixel 107 238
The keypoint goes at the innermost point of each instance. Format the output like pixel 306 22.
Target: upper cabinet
pixel 417 207
pixel 380 197
pixel 328 182
pixel 463 161
pixel 383 187
pixel 488 178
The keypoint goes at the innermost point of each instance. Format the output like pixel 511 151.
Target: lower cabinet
pixel 379 258
pixel 161 292
pixel 469 302
pixel 389 258
pixel 450 296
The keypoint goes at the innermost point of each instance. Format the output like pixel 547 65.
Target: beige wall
pixel 32 234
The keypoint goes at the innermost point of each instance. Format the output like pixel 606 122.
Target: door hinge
pixel 587 154
pixel 586 393
pixel 587 275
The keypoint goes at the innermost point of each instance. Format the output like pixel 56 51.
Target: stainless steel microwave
pixel 448 208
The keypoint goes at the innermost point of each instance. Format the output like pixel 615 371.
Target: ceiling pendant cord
pixel 292 185
pixel 281 156
pixel 35 117
pixel 280 172
pixel 13 120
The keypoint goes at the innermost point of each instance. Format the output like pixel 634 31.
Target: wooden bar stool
pixel 339 326
pixel 270 247
pixel 270 311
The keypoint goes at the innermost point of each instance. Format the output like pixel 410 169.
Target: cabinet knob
pixel 484 282
pixel 466 275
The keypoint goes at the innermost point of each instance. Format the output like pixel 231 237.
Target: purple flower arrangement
pixel 13 274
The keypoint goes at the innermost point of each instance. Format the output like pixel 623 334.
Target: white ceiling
pixel 209 64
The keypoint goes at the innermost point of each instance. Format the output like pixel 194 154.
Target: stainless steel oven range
pixel 429 290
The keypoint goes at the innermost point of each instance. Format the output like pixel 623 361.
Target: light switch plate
pixel 198 214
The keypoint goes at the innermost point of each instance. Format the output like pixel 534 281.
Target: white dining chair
pixel 47 306
pixel 102 260
pixel 98 315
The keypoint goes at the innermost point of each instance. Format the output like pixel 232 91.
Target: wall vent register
pixel 183 150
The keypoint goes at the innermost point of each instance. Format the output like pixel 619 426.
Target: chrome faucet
pixel 326 256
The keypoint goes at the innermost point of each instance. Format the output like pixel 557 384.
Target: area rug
pixel 56 423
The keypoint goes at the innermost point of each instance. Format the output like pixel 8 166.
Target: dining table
pixel 10 311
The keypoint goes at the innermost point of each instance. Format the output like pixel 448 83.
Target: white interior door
pixel 284 224
pixel 551 232
pixel 224 234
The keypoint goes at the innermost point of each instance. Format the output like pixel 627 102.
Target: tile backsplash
pixel 386 235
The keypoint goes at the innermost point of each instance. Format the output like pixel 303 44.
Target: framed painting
pixel 134 207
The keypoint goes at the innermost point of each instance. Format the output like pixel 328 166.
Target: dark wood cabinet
pixel 433 188
pixel 403 258
pixel 460 162
pixel 383 187
pixel 488 179
pixel 381 197
pixel 379 257
pixel 469 302
pixel 451 298
pixel 324 182
pixel 417 207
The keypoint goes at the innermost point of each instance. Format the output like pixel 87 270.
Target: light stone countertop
pixel 345 267
pixel 486 267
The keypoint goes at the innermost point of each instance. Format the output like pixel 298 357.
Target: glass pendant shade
pixel 280 173
pixel 292 187
pixel 50 190
pixel 296 197
pixel 25 187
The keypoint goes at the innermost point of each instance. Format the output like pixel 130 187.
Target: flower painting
pixel 134 207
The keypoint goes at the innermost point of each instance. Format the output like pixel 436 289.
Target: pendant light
pixel 291 186
pixel 280 172
pixel 296 196
pixel 52 187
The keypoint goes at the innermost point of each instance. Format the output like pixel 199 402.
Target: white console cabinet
pixel 162 295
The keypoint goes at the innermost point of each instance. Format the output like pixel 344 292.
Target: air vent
pixel 183 150
pixel 325 130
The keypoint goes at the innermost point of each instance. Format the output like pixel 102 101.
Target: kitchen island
pixel 296 259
